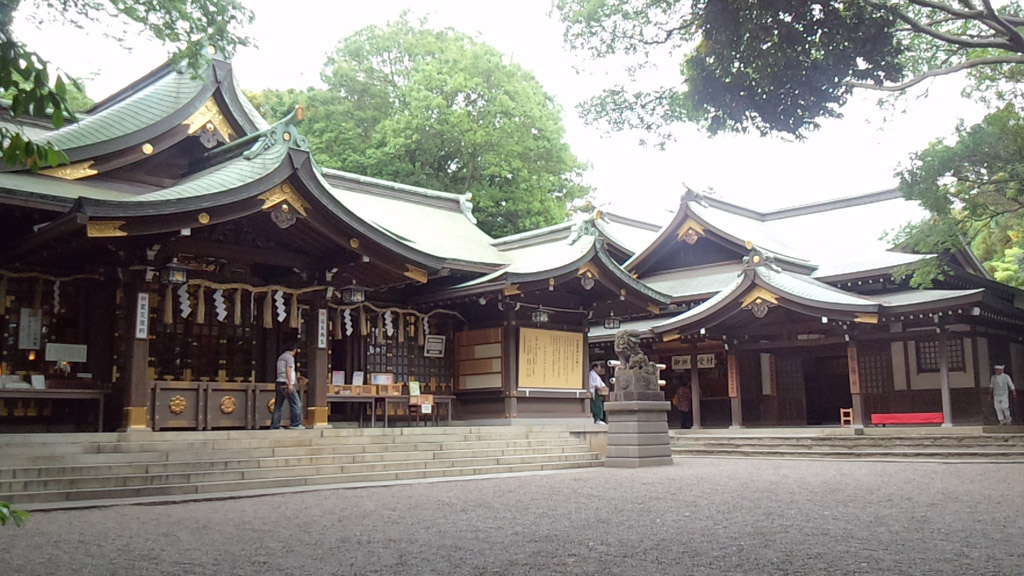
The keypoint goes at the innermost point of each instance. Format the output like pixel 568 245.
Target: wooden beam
pixel 234 253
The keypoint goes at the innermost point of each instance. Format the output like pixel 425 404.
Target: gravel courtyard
pixel 700 516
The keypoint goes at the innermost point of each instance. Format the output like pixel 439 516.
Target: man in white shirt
pixel 286 380
pixel 1000 391
pixel 596 386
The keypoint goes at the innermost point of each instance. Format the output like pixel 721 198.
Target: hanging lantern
pixel 611 322
pixel 353 294
pixel 174 273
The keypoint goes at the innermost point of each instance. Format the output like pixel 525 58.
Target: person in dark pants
pixel 684 403
pixel 286 380
pixel 596 388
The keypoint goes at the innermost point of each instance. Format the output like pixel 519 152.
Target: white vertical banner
pixel 142 317
pixel 321 329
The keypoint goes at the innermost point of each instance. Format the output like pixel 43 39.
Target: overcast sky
pixel 855 155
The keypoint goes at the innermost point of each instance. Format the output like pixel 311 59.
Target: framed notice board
pixel 550 359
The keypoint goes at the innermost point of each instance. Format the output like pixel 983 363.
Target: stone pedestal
pixel 637 433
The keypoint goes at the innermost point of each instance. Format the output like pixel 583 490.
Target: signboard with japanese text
pixel 30 329
pixel 550 359
pixel 321 329
pixel 684 362
pixel 734 377
pixel 142 317
pixel 433 346
pixel 851 359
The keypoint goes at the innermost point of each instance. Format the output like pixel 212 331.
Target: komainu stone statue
pixel 636 377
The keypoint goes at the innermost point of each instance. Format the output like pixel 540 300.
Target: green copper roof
pixel 150 105
pixel 26 185
pixel 228 175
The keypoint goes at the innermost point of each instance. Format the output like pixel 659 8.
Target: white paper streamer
pixel 252 307
pixel 426 325
pixel 183 303
pixel 389 326
pixel 56 296
pixel 219 305
pixel 279 302
pixel 348 322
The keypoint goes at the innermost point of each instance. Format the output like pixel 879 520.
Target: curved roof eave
pixel 307 172
pixel 709 307
pixel 153 106
pixel 810 295
pixel 684 214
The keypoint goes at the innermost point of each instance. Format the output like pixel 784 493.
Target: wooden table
pixel 349 399
pixel 57 394
pixel 400 400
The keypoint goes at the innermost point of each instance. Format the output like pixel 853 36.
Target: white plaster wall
pixel 899 366
pixel 1017 363
pixel 984 362
pixel 766 374
pixel 930 380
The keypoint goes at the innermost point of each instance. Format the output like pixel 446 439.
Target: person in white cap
pixel 1002 385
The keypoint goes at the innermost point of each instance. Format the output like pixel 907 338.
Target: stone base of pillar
pixel 316 417
pixel 637 434
pixel 134 418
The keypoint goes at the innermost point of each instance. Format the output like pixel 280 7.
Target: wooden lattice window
pixel 875 371
pixel 928 355
pixel 406 360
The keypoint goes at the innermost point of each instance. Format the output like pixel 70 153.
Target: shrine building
pixel 151 282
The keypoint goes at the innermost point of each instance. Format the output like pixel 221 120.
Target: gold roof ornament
pixel 72 171
pixel 284 192
pixel 210 114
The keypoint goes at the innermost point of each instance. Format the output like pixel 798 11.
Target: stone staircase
pixel 48 471
pixel 959 447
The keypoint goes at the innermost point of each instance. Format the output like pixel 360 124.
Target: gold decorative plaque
pixel 283 192
pixel 271 404
pixel 104 228
pixel 72 171
pixel 210 114
pixel 177 405
pixel 227 405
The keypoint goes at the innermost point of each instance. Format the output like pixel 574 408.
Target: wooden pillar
pixel 853 368
pixel 136 337
pixel 947 408
pixel 734 391
pixel 695 391
pixel 509 355
pixel 318 339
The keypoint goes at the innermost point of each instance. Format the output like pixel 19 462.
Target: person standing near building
pixel 596 388
pixel 287 379
pixel 684 403
pixel 1001 387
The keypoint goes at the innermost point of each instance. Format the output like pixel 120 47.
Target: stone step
pixel 272 439
pixel 845 446
pixel 235 485
pixel 14 487
pixel 138 456
pixel 472 450
pixel 853 439
pixel 207 435
pixel 935 454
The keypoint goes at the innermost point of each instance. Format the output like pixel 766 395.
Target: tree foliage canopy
pixel 974 190
pixel 780 66
pixel 34 88
pixel 437 109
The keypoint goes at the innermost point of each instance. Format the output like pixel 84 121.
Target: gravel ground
pixel 701 516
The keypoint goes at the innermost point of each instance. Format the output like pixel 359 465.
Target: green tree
pixel 779 66
pixel 438 109
pixel 974 189
pixel 190 27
